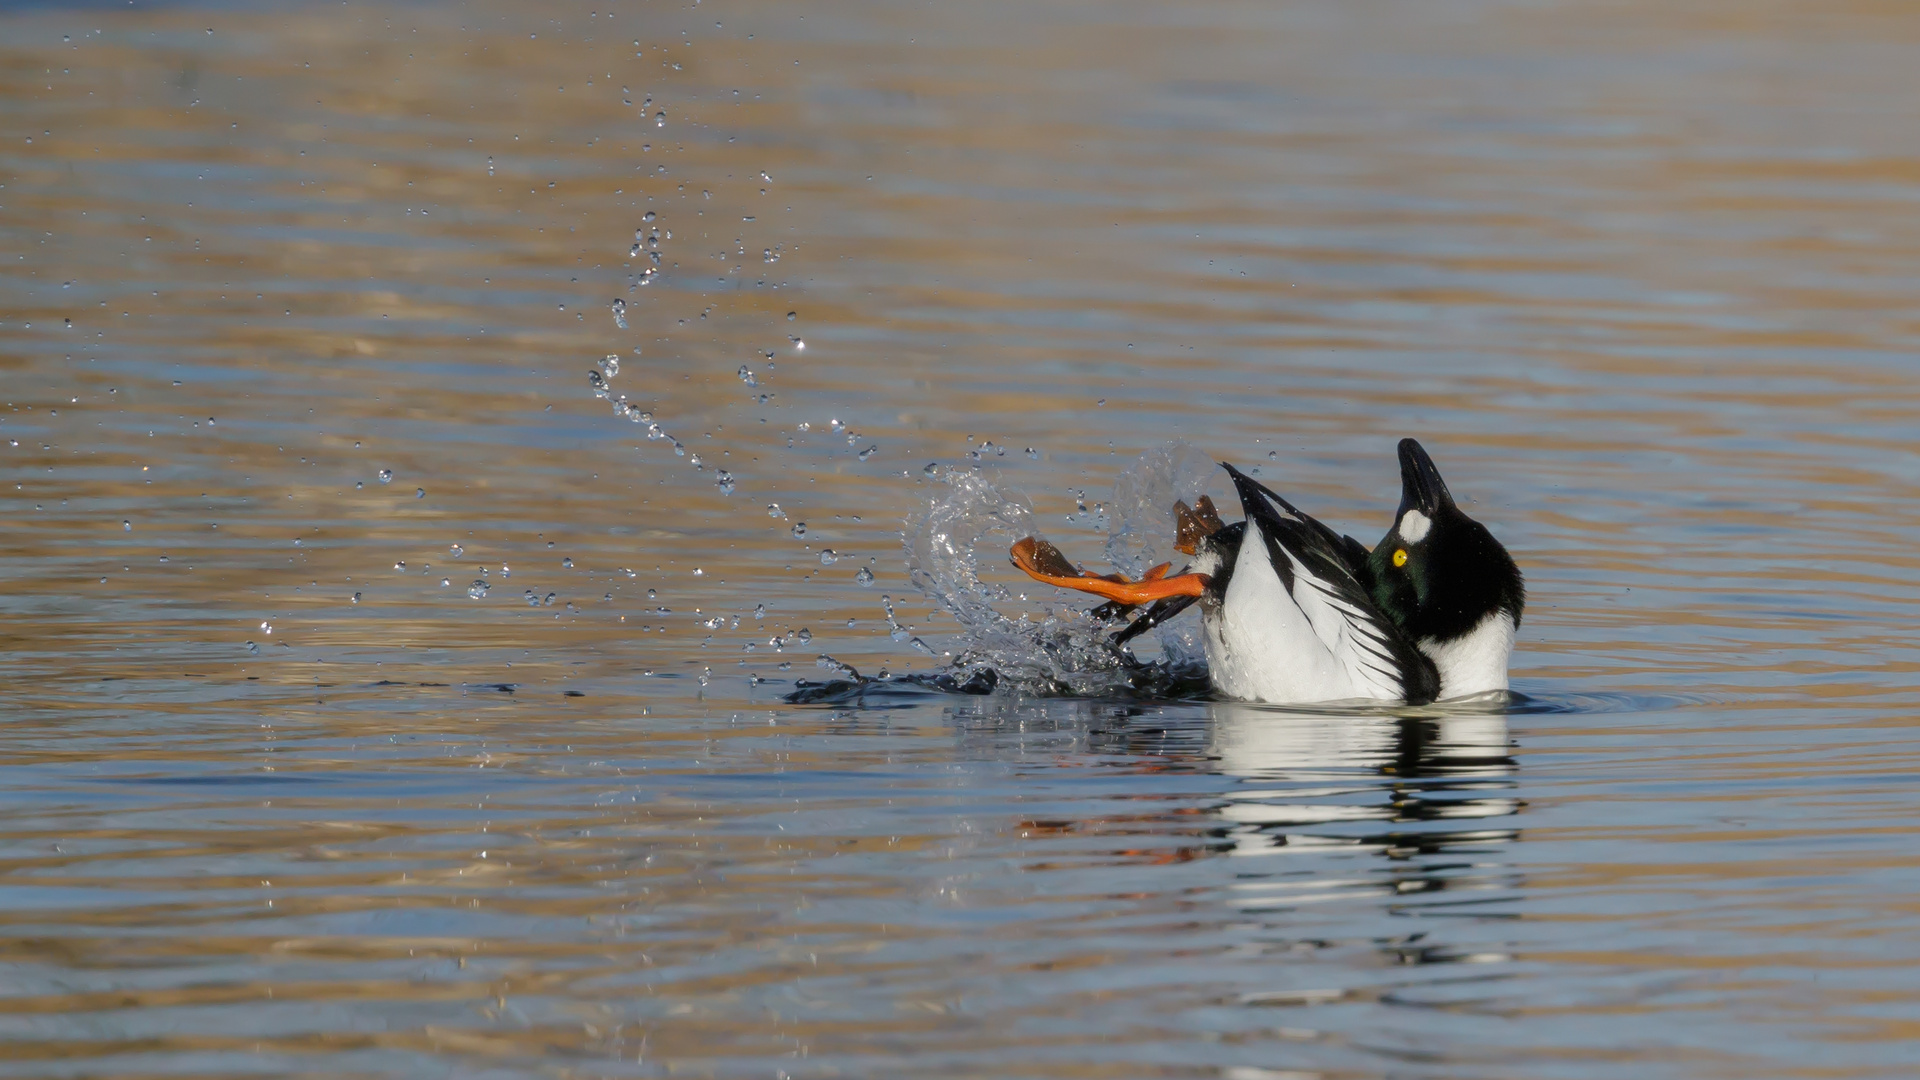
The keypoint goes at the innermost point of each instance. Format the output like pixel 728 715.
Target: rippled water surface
pixel 386 697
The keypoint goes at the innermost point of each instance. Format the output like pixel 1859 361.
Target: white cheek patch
pixel 1414 526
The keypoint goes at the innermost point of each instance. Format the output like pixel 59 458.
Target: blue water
pixel 274 800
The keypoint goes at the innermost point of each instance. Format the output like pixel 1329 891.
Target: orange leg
pixel 1042 561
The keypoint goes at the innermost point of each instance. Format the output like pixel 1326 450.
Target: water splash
pixel 1060 652
pixel 1058 648
pixel 1141 531
pixel 646 241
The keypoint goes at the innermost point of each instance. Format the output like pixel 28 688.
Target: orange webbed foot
pixel 1195 523
pixel 1042 561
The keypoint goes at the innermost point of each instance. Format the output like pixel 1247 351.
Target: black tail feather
pixel 1160 612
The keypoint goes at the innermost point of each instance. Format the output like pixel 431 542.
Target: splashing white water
pixel 1141 530
pixel 1062 648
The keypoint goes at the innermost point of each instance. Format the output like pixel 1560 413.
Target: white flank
pixel 1266 644
pixel 1477 662
pixel 1414 526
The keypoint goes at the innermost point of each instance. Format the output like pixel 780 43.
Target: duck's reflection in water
pixel 1422 791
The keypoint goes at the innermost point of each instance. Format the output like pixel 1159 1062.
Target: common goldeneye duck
pixel 1292 612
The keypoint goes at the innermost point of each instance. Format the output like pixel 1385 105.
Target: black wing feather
pixel 1160 612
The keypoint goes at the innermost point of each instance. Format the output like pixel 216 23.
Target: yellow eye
pixel 1400 557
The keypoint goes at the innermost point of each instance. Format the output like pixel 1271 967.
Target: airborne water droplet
pixel 864 577
pixel 386 476
pixel 828 556
pixel 799 529
pixel 478 589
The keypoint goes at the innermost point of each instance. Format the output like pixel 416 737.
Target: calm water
pixel 380 702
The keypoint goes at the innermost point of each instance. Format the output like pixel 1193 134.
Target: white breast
pixel 1477 662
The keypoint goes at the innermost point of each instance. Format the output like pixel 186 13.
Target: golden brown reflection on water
pixel 277 800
